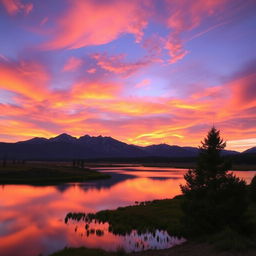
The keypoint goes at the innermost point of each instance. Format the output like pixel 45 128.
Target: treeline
pixel 6 162
pixel 243 158
pixel 249 158
pixel 138 160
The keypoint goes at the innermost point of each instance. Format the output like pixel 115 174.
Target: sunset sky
pixel 141 71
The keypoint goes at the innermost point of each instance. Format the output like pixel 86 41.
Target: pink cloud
pixel 143 83
pixel 15 6
pixel 91 70
pixel 176 49
pixel 154 44
pixel 185 16
pixel 72 64
pixel 216 91
pixel 243 91
pixel 116 64
pixel 95 23
pixel 86 23
pixel 44 21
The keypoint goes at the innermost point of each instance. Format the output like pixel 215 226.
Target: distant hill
pixel 66 147
pixel 165 150
pixel 250 150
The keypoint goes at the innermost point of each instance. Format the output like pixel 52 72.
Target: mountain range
pixel 67 147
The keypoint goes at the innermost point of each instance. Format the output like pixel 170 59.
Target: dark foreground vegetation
pixel 45 173
pixel 167 214
pixel 187 249
pixel 145 216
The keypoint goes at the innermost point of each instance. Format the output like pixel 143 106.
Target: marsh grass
pixel 163 214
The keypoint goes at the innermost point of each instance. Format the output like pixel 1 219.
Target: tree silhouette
pixel 213 197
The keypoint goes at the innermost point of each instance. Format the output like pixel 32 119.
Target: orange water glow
pixel 32 218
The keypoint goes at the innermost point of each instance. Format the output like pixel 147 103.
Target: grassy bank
pixel 42 174
pixel 163 214
pixel 147 216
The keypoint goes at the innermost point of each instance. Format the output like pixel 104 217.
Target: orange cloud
pixel 134 107
pixel 26 129
pixel 26 78
pixel 72 64
pixel 98 107
pixel 95 23
pixel 94 90
pixel 15 6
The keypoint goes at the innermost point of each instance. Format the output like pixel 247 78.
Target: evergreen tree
pixel 213 197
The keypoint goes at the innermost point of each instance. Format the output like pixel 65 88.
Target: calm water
pixel 32 218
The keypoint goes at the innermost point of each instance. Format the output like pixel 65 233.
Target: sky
pixel 141 71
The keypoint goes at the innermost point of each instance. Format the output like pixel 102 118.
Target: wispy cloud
pixel 15 6
pixel 118 65
pixel 95 23
pixel 29 79
pixel 72 64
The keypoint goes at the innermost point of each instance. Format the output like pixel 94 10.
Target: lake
pixel 32 219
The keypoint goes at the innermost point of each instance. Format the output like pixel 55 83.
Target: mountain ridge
pixel 65 146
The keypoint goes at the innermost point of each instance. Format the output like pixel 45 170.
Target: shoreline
pixel 235 167
pixel 166 214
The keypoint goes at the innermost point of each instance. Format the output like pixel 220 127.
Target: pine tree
pixel 213 197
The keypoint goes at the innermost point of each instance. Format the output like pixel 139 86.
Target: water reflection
pixel 130 242
pixel 32 217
